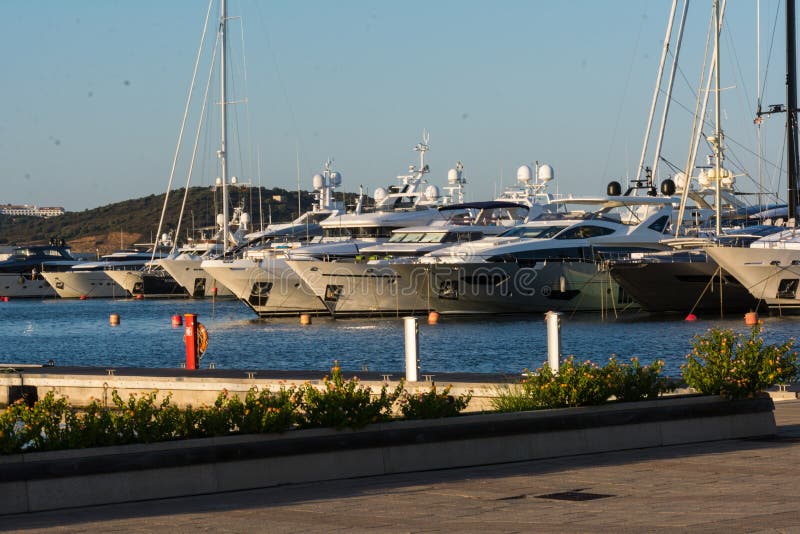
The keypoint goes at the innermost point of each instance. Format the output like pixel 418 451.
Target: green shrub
pixel 581 384
pixel 632 382
pixel 265 411
pixel 344 403
pixel 734 365
pixel 432 404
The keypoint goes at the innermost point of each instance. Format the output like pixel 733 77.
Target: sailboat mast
pixel 718 130
pixel 791 110
pixel 223 119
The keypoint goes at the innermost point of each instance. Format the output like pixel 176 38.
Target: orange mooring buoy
pixel 691 317
pixel 113 319
pixel 433 317
pixel 83 297
pixel 305 319
pixel 177 320
pixel 751 318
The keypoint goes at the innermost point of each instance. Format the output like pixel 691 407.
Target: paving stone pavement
pixel 730 486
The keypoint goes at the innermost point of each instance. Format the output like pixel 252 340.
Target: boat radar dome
pixel 432 192
pixel 244 219
pixel 453 176
pixel 218 181
pixel 614 189
pixel 318 181
pixel 336 179
pixel 234 179
pixel 220 220
pixel 380 194
pixel 705 178
pixel 165 239
pixel 546 173
pixel 524 174
pixel 680 180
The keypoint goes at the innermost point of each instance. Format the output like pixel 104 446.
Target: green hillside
pixel 121 224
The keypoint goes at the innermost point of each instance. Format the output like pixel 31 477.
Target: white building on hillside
pixel 32 211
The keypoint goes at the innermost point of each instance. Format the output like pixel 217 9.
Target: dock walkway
pixel 747 485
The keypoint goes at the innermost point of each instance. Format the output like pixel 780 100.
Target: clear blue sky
pixel 94 91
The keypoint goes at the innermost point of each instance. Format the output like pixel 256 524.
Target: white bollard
pixel 412 350
pixel 553 320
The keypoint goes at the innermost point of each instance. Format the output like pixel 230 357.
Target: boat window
pixel 398 237
pixel 535 232
pixel 435 237
pixel 470 236
pixel 370 232
pixel 340 231
pixel 530 257
pixel 414 238
pixel 585 231
pixel 660 224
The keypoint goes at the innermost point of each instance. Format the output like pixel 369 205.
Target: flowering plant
pixel 582 384
pixel 735 365
pixel 345 403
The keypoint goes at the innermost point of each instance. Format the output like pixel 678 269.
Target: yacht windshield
pixel 535 232
pixel 398 237
pixel 433 237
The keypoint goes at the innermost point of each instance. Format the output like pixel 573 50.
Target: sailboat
pixel 686 279
pixel 770 267
pixel 179 274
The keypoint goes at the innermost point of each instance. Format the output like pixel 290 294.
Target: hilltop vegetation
pixel 122 224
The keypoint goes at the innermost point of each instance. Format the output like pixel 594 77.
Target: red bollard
pixel 190 338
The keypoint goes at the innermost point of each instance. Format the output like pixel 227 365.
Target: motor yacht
pixel 21 270
pixel 549 264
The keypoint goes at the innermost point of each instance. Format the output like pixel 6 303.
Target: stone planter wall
pixel 63 479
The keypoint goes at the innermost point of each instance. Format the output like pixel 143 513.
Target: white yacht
pixel 769 268
pixel 366 285
pixel 551 263
pixel 186 267
pixel 266 283
pixel 21 268
pixel 89 279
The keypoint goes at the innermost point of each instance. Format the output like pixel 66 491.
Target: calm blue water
pixel 73 332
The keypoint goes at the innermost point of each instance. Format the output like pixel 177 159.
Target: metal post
pixel 190 339
pixel 412 350
pixel 553 320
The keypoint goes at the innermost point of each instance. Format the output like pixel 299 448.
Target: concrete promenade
pixel 729 486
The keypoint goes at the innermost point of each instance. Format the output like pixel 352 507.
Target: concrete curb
pixel 64 479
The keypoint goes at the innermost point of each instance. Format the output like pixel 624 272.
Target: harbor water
pixel 75 332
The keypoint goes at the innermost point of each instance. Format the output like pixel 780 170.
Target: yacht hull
pixel 197 282
pixel 154 284
pixel 683 287
pixel 268 286
pixel 84 284
pixel 464 288
pixel 771 275
pixel 365 289
pixel 18 285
